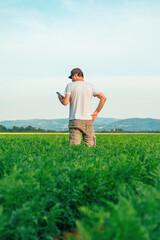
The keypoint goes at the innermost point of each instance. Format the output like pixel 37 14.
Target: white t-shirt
pixel 81 94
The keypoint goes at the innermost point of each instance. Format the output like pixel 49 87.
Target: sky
pixel 115 43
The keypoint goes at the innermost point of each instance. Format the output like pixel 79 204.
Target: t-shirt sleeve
pixel 68 89
pixel 95 91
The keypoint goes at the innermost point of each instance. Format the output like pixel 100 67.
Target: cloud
pixel 69 4
pixel 109 43
pixel 116 46
pixel 106 39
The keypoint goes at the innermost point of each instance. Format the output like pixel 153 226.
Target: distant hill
pixel 135 124
pixel 50 124
pixel 101 124
pixel 47 124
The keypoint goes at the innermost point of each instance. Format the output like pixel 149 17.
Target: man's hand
pixel 60 98
pixel 64 100
pixel 100 105
pixel 94 116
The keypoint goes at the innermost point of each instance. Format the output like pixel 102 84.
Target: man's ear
pixel 76 75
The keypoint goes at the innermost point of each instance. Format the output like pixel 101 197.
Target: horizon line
pixel 68 118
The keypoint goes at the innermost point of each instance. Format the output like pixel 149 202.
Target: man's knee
pixel 73 141
pixel 74 137
pixel 90 141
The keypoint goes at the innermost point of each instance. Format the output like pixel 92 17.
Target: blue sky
pixel 115 43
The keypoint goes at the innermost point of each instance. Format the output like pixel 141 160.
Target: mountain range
pixel 101 124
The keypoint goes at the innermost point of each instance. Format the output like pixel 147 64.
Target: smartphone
pixel 59 94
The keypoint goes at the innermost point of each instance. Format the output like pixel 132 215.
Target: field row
pixel 110 191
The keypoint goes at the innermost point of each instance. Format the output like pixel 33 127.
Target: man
pixel 79 93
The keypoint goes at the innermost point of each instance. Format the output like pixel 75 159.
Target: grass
pixel 107 192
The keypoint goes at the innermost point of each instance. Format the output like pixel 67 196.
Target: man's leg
pixel 88 133
pixel 74 133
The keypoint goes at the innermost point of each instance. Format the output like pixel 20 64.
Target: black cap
pixel 76 71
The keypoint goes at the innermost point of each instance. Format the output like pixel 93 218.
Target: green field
pixel 110 192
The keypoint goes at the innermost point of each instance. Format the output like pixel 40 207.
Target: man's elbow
pixel 104 98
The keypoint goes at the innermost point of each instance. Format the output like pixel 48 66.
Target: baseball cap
pixel 74 71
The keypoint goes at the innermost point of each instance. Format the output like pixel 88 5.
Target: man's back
pixel 81 94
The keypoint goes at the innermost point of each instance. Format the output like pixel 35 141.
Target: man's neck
pixel 79 79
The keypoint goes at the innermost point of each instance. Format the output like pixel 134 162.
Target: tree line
pixel 40 130
pixel 23 129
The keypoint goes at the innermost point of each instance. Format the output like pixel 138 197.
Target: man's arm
pixel 64 100
pixel 100 105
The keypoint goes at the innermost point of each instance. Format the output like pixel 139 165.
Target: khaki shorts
pixel 81 127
